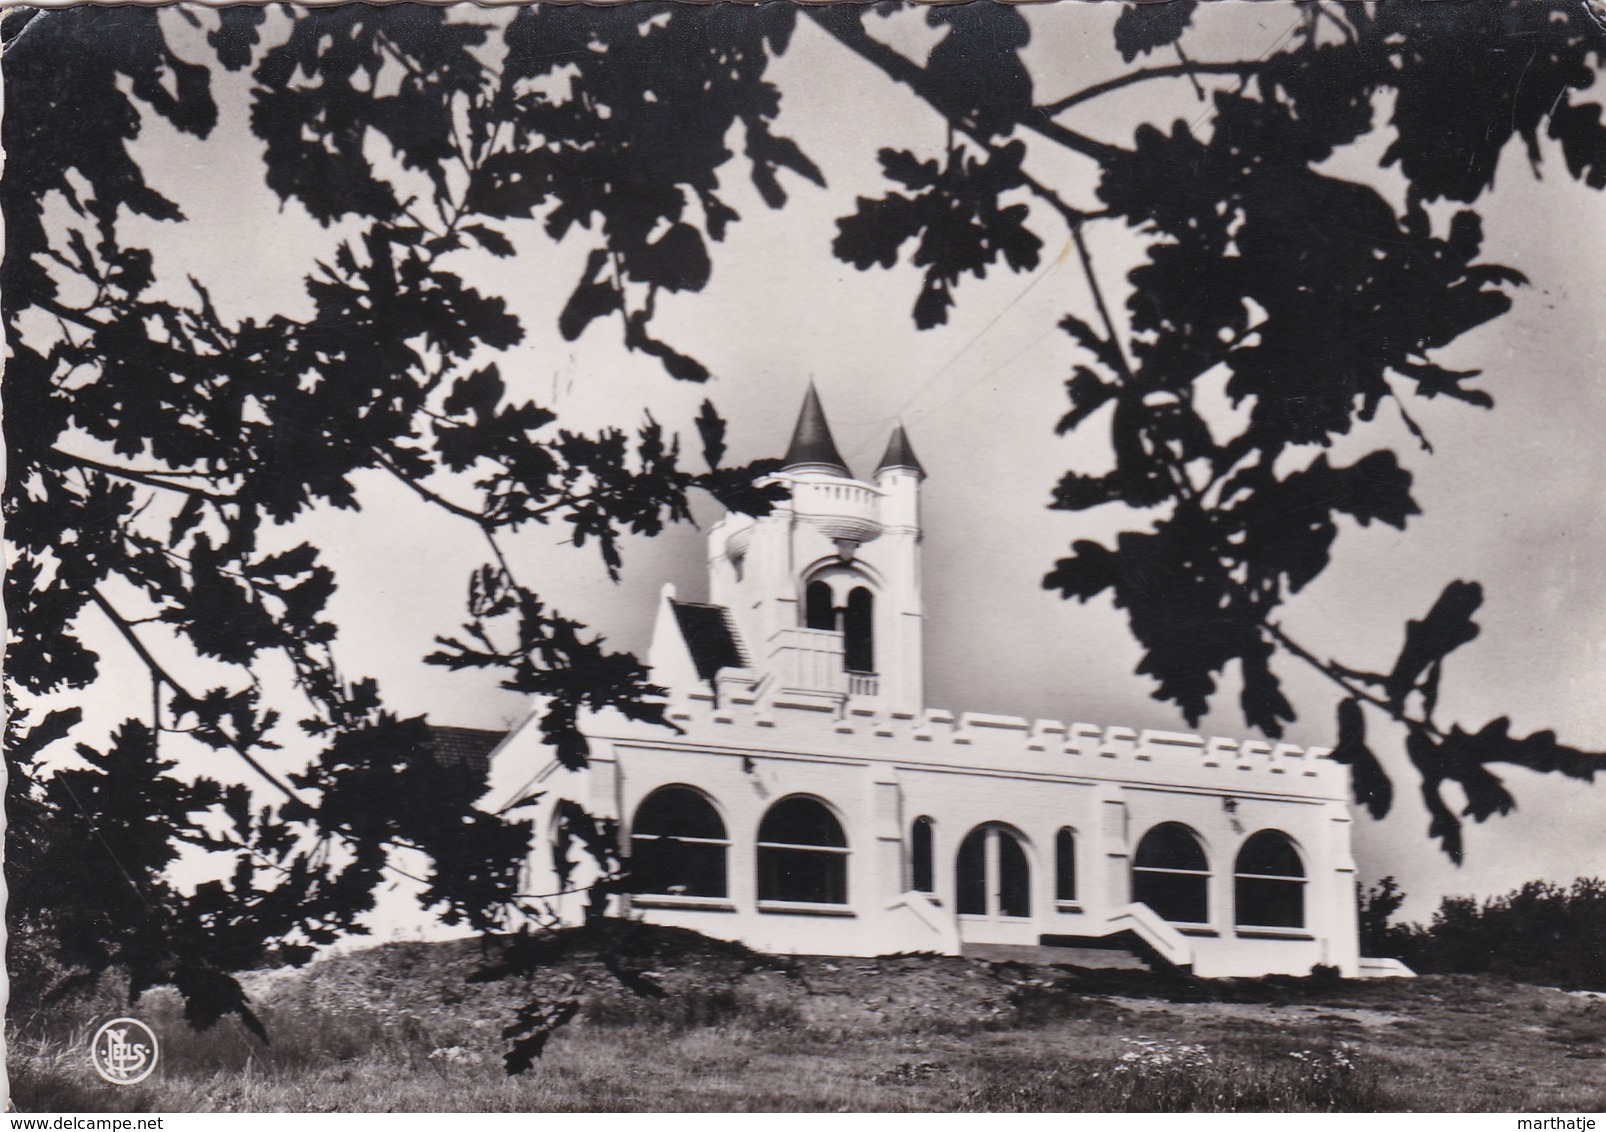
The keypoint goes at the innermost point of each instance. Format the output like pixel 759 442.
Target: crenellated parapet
pixel 1012 744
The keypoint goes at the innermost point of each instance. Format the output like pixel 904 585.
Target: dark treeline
pixel 1537 933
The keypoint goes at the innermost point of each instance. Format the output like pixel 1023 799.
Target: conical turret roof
pixel 812 449
pixel 900 454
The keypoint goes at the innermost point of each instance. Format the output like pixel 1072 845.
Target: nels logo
pixel 124 1051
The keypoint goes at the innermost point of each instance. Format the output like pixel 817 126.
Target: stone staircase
pixel 1048 954
pixel 1134 937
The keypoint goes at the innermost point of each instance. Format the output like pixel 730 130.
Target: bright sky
pixel 1508 497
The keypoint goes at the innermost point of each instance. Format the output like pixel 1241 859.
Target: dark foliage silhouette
pixel 152 444
pixel 1315 332
pixel 155 446
pixel 1375 908
pixel 1538 933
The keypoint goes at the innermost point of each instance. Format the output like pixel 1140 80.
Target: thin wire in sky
pixel 1006 363
pixel 903 408
pixel 1276 44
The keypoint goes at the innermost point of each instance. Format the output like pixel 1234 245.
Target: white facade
pixel 811 803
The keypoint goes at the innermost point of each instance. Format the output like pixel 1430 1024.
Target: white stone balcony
pixel 841 509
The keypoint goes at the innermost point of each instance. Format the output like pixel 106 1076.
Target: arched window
pixel 678 845
pixel 802 854
pixel 971 874
pixel 1269 883
pixel 1065 867
pixel 1014 877
pixel 922 871
pixel 818 612
pixel 993 875
pixel 1170 874
pixel 858 631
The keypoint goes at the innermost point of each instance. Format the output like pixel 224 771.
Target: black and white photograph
pixel 777 557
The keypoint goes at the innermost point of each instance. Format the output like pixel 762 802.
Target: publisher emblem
pixel 124 1051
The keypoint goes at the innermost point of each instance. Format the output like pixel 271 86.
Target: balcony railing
pixel 863 684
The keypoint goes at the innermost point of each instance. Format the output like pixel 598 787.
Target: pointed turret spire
pixel 900 454
pixel 812 448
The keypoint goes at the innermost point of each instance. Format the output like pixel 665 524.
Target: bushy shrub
pixel 1376 908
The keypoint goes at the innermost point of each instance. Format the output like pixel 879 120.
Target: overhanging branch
pixel 1189 70
pixel 842 23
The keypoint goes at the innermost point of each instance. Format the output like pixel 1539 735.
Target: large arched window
pixel 1065 867
pixel 802 854
pixel 1170 874
pixel 858 631
pixel 994 878
pixel 678 845
pixel 1269 883
pixel 818 610
pixel 922 870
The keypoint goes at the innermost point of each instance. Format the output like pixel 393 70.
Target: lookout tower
pixel 818 602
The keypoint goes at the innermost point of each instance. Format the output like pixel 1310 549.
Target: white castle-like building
pixel 811 803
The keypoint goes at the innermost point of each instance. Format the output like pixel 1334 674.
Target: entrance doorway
pixel 994 886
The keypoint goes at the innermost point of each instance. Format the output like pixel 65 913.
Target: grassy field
pixel 405 1027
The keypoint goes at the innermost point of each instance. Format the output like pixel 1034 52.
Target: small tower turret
pixel 812 448
pixel 900 456
pixel 898 478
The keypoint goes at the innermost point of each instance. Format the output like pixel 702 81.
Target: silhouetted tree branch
pixel 610 126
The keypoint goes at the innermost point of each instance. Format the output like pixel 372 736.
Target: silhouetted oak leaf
pixel 1142 28
pixel 1368 780
pixel 1447 627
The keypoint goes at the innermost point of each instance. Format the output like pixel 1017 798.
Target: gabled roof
pixel 710 637
pixel 465 748
pixel 900 454
pixel 812 449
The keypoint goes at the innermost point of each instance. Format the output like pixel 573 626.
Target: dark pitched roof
pixel 710 637
pixel 900 454
pixel 465 748
pixel 812 448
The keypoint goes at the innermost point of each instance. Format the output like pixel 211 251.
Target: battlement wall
pixel 1003 743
